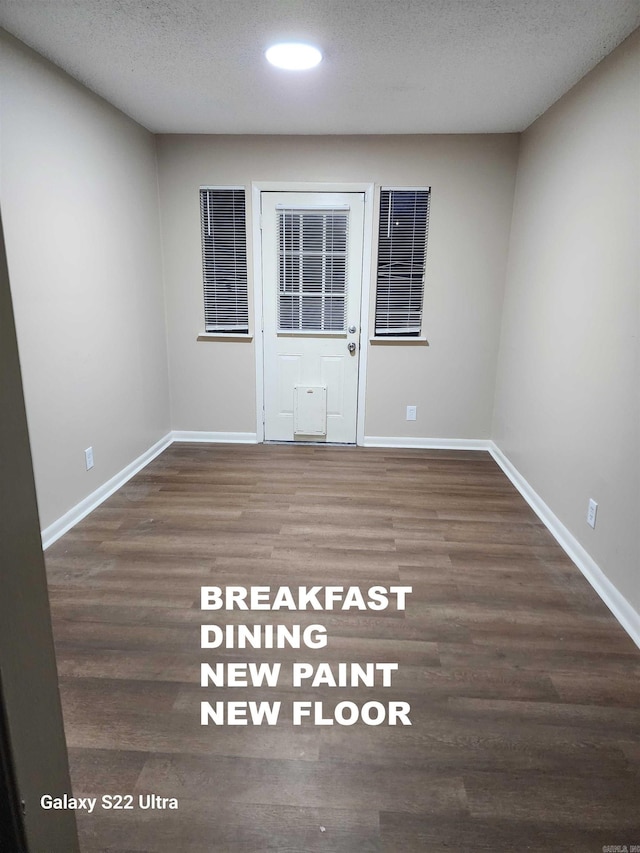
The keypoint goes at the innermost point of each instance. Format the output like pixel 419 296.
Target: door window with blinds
pixel 312 269
pixel 402 249
pixel 224 260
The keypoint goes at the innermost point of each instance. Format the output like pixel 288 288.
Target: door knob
pixel 352 330
pixel 351 346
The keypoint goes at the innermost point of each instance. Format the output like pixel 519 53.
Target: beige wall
pixel 567 399
pixel 452 380
pixel 78 190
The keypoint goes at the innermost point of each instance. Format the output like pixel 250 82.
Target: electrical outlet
pixel 592 512
pixel 88 457
pixel 411 413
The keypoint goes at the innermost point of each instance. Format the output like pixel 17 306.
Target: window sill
pixel 223 336
pixel 400 340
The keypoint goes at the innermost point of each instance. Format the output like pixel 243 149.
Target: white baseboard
pixel 612 597
pixel 428 443
pixel 52 533
pixel 215 437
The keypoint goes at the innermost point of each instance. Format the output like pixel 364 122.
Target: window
pixel 312 270
pixel 224 260
pixel 402 249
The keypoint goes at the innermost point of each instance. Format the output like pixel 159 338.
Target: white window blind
pixel 312 270
pixel 224 259
pixel 402 249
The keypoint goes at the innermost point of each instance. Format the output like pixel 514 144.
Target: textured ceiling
pixel 391 66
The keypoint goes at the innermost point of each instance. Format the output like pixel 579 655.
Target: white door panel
pixel 288 370
pixel 312 246
pixel 333 374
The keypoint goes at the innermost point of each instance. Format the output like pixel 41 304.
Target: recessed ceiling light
pixel 293 56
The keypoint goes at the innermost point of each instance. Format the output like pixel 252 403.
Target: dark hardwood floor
pixel 524 690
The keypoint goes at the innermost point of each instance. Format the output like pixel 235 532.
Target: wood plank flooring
pixel 524 690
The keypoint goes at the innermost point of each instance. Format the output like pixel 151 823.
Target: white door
pixel 312 247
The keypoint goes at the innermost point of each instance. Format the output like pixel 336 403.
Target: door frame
pixel 257 188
